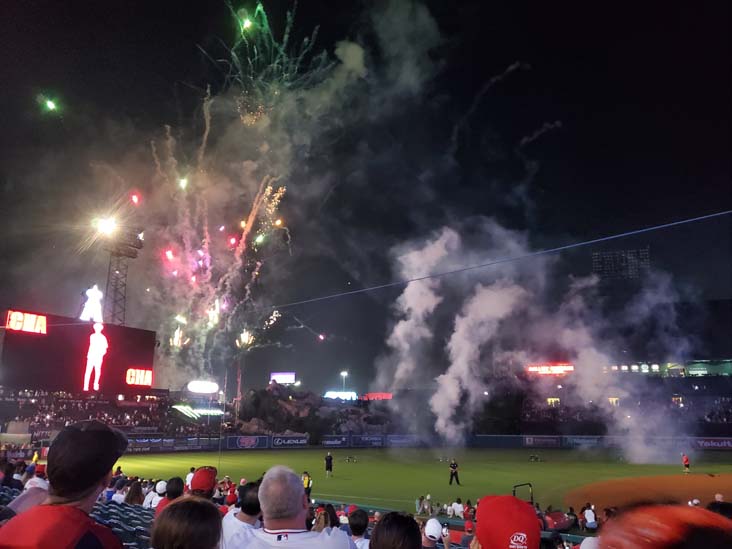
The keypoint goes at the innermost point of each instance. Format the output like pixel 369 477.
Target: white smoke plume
pixel 414 306
pixel 461 387
pixel 522 312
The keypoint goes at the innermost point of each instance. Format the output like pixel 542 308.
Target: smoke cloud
pixel 506 316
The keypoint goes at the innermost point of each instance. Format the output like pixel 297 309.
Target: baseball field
pixel 394 478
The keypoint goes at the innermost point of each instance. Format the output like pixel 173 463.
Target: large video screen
pixel 56 353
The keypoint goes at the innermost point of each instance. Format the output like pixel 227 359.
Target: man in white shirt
pixel 189 478
pixel 458 508
pixel 153 498
pixel 244 516
pixel 284 509
pixel 590 518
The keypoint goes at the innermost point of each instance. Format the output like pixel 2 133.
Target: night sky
pixel 642 93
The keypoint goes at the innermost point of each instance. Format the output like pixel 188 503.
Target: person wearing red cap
pixel 468 535
pixel 506 522
pixel 667 527
pixel 39 479
pixel 203 485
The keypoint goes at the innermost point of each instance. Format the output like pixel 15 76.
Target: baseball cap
pixel 433 529
pixel 40 468
pixel 469 525
pixel 506 522
pixel 161 487
pixel 81 455
pixel 204 478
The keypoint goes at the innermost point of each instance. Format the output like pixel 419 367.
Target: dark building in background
pixel 622 264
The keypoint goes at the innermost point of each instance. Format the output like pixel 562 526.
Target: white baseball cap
pixel 433 529
pixel 161 487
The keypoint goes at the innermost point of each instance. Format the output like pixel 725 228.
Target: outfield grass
pixel 395 478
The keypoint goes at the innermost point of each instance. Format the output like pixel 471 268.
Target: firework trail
pixel 209 295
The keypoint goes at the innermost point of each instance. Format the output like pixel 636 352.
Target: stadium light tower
pixel 122 243
pixel 344 375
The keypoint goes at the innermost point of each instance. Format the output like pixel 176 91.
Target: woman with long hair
pixel 134 495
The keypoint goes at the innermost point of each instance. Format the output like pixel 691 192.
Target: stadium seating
pixel 131 523
pixel 7 494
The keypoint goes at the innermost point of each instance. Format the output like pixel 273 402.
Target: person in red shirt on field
pixel 79 468
pixel 685 461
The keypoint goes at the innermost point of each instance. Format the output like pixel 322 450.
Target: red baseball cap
pixel 41 468
pixel 469 525
pixel 204 478
pixel 506 522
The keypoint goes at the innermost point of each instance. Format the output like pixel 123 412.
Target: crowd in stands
pixel 78 501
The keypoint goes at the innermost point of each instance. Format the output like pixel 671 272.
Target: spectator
pixel 432 533
pixel 244 516
pixel 203 484
pixel 109 490
pixel 188 523
pixel 134 494
pixel 396 531
pixel 189 477
pixel 284 508
pixel 666 527
pixel 469 510
pixel 118 472
pixel 38 480
pixel 572 516
pixel 590 518
pixel 9 479
pixel 80 464
pixel 333 521
pixel 723 508
pixel 173 490
pixel 458 508
pixel 153 499
pixel 418 504
pixel 358 521
pixel 500 518
pixel 427 506
pixel 120 490
pixel 468 535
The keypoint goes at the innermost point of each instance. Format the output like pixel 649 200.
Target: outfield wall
pixel 149 444
pixel 152 443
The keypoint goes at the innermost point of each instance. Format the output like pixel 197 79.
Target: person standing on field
pixel 685 461
pixel 454 472
pixel 328 465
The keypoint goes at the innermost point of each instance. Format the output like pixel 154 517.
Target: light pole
pixel 344 375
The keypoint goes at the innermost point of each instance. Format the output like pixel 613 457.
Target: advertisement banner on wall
pixel 289 441
pixel 367 441
pixel 252 442
pixel 402 441
pixel 542 442
pixel 711 443
pixel 335 441
pixel 584 442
